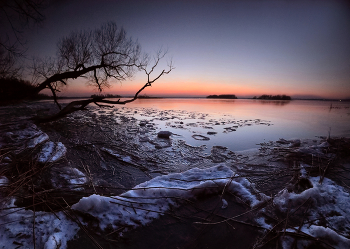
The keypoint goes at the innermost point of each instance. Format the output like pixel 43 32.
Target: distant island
pixel 222 96
pixel 105 96
pixel 148 97
pixel 273 97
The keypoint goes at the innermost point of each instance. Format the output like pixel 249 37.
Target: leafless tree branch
pixel 102 55
pixel 15 16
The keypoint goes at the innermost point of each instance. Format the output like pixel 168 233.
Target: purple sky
pixel 247 48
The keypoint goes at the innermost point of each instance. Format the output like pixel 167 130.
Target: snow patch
pixel 68 177
pixel 327 234
pixel 3 181
pixel 51 152
pixel 148 200
pixel 50 232
pixel 224 204
pixel 261 221
pixel 27 138
pixel 329 212
pixel 331 201
pixel 112 153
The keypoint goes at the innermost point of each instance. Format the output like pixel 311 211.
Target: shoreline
pixel 204 97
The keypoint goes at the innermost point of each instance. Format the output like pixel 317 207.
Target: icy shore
pixel 307 209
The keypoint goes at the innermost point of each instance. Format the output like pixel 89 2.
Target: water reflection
pixel 287 119
pixel 284 119
pixel 274 102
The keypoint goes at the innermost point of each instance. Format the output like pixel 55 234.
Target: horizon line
pixel 204 97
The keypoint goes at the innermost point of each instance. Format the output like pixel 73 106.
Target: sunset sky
pixel 247 48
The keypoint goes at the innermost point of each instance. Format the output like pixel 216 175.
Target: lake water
pixel 288 119
pixel 243 123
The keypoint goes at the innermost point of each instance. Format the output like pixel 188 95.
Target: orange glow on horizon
pixel 195 88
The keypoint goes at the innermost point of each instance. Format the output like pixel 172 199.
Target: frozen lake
pixel 242 123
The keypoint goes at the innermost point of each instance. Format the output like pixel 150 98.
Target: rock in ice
pixel 164 134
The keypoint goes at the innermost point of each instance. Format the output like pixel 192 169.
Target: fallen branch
pixel 82 104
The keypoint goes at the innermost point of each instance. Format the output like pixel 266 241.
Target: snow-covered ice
pixel 68 177
pixel 51 152
pixel 26 138
pixel 328 216
pixel 135 207
pixel 112 153
pixel 52 231
pixel 3 181
pixel 148 200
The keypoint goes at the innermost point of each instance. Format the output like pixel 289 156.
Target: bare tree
pixel 15 16
pixel 101 56
pixel 8 68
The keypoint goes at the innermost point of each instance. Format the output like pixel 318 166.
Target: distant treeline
pixel 273 97
pixel 13 89
pixel 105 96
pixel 147 97
pixel 222 96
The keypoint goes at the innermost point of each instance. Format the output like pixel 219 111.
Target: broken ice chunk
pixel 3 181
pixel 68 177
pixel 51 152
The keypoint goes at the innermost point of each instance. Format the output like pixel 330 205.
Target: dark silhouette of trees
pixel 15 17
pixel 101 56
pixel 274 97
pixel 106 96
pixel 222 96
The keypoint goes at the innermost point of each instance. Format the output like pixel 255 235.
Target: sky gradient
pixel 247 48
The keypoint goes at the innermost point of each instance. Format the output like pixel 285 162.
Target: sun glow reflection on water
pixel 288 119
